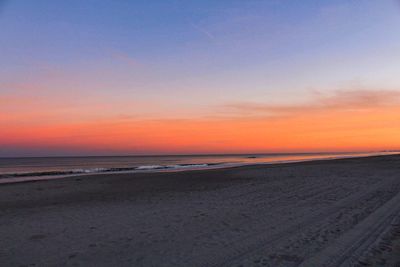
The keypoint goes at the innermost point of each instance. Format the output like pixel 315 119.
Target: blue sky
pixel 204 41
pixel 192 59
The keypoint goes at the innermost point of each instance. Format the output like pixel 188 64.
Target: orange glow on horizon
pixel 329 130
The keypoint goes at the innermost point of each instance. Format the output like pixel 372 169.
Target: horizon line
pixel 204 154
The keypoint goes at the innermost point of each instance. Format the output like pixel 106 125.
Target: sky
pixel 120 77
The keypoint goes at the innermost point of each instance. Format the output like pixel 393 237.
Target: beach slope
pixel 322 213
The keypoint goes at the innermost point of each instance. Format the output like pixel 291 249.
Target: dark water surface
pixel 58 166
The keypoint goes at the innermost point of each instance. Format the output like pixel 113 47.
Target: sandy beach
pixel 323 213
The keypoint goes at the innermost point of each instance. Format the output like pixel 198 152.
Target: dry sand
pixel 323 213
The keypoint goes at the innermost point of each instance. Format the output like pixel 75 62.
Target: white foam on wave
pixel 171 167
pixel 92 170
pixel 150 167
pixel 185 166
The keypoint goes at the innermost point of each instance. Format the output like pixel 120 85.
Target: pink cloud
pixel 338 100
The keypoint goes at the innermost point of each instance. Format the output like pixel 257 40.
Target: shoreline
pixel 331 212
pixel 23 178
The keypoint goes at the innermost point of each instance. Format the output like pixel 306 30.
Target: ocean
pixel 34 168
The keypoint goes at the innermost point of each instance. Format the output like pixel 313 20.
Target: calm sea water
pixel 11 168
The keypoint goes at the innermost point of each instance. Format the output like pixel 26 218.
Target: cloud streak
pixel 339 100
pixel 123 57
pixel 203 31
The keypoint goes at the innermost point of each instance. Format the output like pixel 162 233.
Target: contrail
pixel 205 32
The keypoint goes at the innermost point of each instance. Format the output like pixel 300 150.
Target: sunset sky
pixel 113 77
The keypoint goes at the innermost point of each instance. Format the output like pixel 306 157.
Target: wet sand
pixel 324 213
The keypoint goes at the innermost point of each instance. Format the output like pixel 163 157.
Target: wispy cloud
pixel 203 31
pixel 338 100
pixel 125 58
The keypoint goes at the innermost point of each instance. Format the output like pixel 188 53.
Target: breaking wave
pixel 108 170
